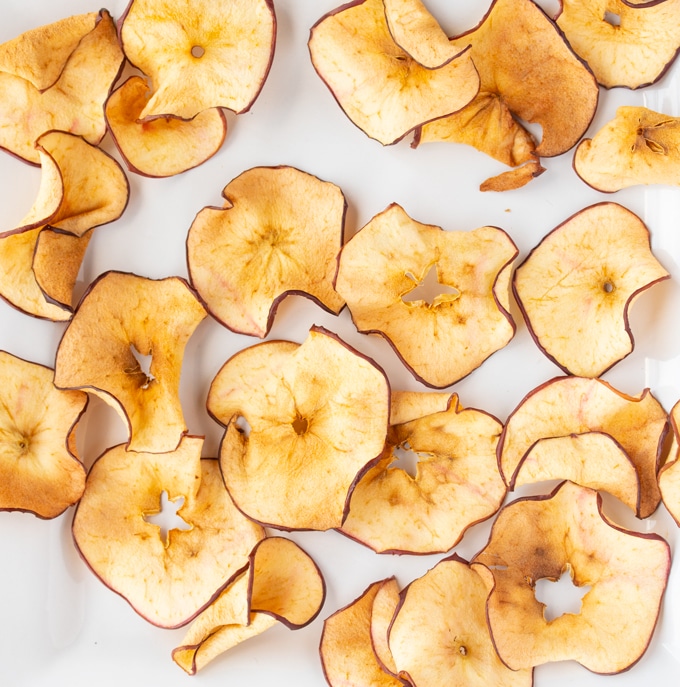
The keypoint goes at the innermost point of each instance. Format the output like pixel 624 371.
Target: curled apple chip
pixel 541 538
pixel 669 475
pixel 638 147
pixel 576 287
pixel 383 90
pixel 443 337
pixel 279 233
pixel 315 416
pixel 121 320
pixel 385 604
pixel 39 467
pixel 201 55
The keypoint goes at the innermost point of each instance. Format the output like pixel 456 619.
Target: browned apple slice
pixel 576 287
pixel 279 233
pixel 669 475
pixel 200 56
pixel 541 538
pixel 381 88
pixel 122 319
pixel 448 334
pixel 39 467
pixel 638 147
pixel 316 416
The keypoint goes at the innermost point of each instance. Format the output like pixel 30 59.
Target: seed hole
pixel 560 596
pixel 608 287
pixel 612 18
pixel 300 425
pixel 197 51
pixel 243 425
pixel 143 367
pixel 167 518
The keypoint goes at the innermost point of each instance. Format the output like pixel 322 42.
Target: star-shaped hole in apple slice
pixel 167 518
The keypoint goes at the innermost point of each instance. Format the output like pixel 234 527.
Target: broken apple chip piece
pixel 200 56
pixel 40 471
pixel 669 475
pixel 443 336
pixel 381 88
pixel 302 422
pixel 576 287
pixel 121 321
pixel 542 537
pixel 279 233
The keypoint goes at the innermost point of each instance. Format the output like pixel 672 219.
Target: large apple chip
pixel 543 537
pixel 121 320
pixel 379 86
pixel 576 287
pixel 279 232
pixel 443 338
pixel 39 468
pixel 200 55
pixel 315 416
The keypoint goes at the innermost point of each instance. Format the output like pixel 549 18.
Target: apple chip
pixel 541 538
pixel 442 338
pixel 39 467
pixel 200 55
pixel 669 475
pixel 576 287
pixel 121 320
pixel 381 88
pixel 279 232
pixel 385 604
pixel 315 417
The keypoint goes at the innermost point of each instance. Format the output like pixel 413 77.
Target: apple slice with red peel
pixel 385 604
pixel 669 475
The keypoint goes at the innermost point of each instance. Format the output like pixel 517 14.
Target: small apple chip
pixel 669 475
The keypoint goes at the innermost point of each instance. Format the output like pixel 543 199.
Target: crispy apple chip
pixel 121 320
pixel 669 475
pixel 279 233
pixel 381 88
pixel 576 287
pixel 443 337
pixel 39 467
pixel 541 538
pixel 200 55
pixel 385 604
pixel 315 416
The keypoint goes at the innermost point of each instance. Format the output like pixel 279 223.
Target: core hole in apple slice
pixel 406 459
pixel 167 518
pixel 243 425
pixel 560 596
pixel 429 289
pixel 144 362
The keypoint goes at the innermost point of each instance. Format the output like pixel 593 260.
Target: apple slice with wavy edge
pixel 669 475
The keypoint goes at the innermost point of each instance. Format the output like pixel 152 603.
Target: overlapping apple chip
pixel 201 55
pixel 541 538
pixel 121 320
pixel 567 406
pixel 576 287
pixel 456 482
pixel 39 467
pixel 381 88
pixel 315 417
pixel 669 475
pixel 637 147
pixel 279 232
pixel 440 339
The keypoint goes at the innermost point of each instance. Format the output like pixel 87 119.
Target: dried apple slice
pixel 669 475
pixel 576 287
pixel 385 604
pixel 39 467
pixel 121 318
pixel 200 56
pixel 381 88
pixel 442 339
pixel 279 233
pixel 638 147
pixel 317 416
pixel 540 538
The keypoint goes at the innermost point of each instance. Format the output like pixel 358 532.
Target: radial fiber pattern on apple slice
pixel 576 287
pixel 167 579
pixel 669 475
pixel 440 636
pixel 316 416
pixel 576 405
pixel 202 54
pixel 637 147
pixel 121 320
pixel 456 483
pixel 74 103
pixel 542 537
pixel 442 339
pixel 39 467
pixel 279 233
pixel 623 44
pixel 382 89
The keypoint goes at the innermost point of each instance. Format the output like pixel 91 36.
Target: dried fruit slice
pixel 385 605
pixel 39 467
pixel 542 537
pixel 669 475
pixel 576 287
pixel 279 233
pixel 440 339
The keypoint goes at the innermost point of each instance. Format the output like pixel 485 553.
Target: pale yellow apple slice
pixel 669 475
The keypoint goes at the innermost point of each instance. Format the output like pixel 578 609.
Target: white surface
pixel 58 624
